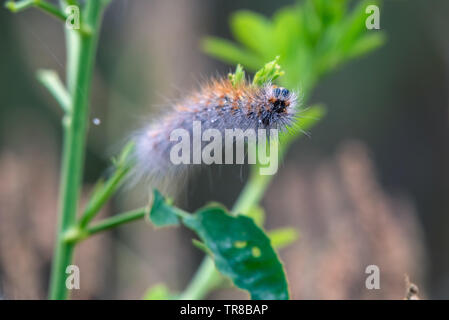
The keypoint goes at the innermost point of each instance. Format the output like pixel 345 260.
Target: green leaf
pixel 238 76
pixel 158 292
pixel 241 251
pixel 227 51
pixel 354 24
pixel 253 30
pixel 162 213
pixel 282 237
pixel 287 30
pixel 310 116
pixel 366 44
pixel 312 22
pixel 268 73
pixel 306 120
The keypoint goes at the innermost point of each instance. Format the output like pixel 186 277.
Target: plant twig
pixel 43 5
pixel 78 233
pixel 117 220
pixel 51 80
pixel 46 7
pixel 104 192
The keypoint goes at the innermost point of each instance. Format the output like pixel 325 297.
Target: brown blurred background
pixel 370 186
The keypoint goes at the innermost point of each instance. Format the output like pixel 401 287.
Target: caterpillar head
pixel 280 105
pixel 280 99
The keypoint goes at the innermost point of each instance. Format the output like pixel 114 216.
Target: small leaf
pixel 306 120
pixel 241 251
pixel 253 30
pixel 312 23
pixel 287 31
pixel 231 53
pixel 268 73
pixel 158 292
pixel 162 214
pixel 282 237
pixel 238 77
pixel 354 24
pixel 366 44
pixel 312 115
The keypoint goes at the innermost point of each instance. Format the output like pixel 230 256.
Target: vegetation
pixel 308 39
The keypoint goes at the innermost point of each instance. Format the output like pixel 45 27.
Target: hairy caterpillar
pixel 218 105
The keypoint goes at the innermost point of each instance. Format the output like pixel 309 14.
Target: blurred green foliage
pixel 158 292
pixel 311 38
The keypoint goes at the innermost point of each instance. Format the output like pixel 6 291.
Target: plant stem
pixel 41 4
pixel 99 200
pixel 80 69
pixel 116 220
pixel 252 193
pixel 79 233
pixel 50 9
pixel 206 278
pixel 104 192
pixel 50 80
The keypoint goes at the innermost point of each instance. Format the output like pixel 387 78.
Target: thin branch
pixel 43 5
pixel 18 6
pixel 51 80
pixel 104 191
pixel 117 220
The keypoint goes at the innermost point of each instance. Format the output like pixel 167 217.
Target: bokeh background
pixel 370 186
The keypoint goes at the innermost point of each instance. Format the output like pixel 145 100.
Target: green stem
pixel 78 233
pixel 117 220
pixel 75 128
pixel 205 280
pixel 102 194
pixel 50 9
pixel 43 5
pixel 98 200
pixel 252 193
pixel 50 80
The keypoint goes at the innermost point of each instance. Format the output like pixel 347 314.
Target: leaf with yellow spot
pixel 241 251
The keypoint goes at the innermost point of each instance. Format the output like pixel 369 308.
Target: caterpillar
pixel 218 105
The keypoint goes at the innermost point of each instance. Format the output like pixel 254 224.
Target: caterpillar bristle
pixel 218 104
